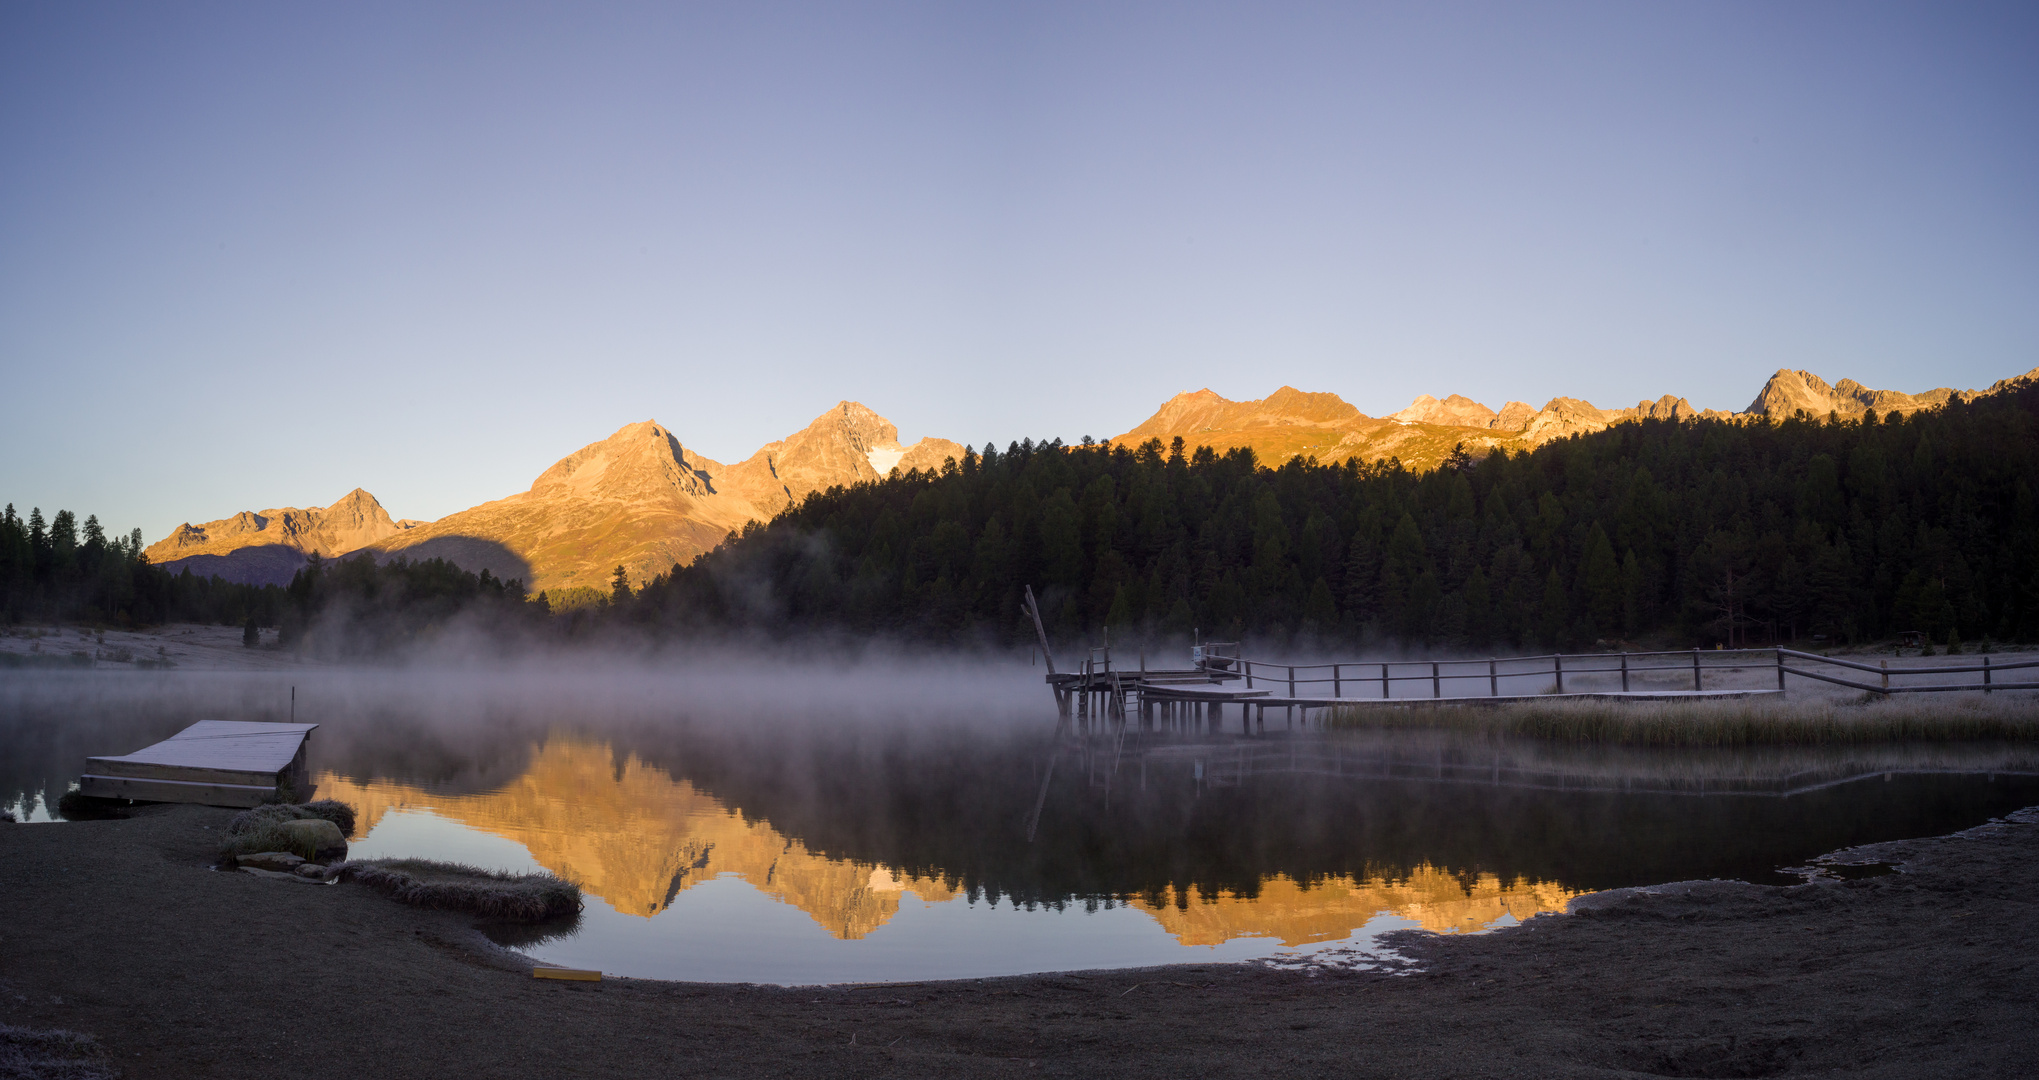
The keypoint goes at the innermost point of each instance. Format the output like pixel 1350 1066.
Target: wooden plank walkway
pixel 215 762
pixel 1099 690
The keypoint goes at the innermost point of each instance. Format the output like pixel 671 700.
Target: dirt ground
pixel 119 929
pixel 192 646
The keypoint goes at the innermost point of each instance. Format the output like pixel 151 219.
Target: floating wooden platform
pixel 214 762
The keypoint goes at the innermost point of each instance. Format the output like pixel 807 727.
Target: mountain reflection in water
pixel 632 834
pixel 636 836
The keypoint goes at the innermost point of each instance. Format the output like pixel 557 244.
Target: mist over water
pixel 859 817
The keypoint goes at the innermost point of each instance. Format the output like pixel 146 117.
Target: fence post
pixel 1695 669
pixel 1436 684
pixel 1885 664
pixel 1557 661
pixel 1780 669
pixel 1337 687
pixel 1384 682
pixel 1292 680
pixel 1248 665
pixel 1624 671
pixel 1493 679
pixel 1985 675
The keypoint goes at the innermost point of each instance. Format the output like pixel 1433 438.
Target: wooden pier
pixel 1196 697
pixel 214 762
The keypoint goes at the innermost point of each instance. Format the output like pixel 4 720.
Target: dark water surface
pixel 821 831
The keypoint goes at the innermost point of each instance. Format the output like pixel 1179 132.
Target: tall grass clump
pixel 1717 723
pixel 27 1052
pixel 260 829
pixel 491 894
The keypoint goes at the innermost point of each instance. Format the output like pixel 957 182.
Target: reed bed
pixel 56 1054
pixel 491 894
pixel 260 829
pixel 1730 723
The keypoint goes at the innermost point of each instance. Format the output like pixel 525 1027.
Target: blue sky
pixel 258 254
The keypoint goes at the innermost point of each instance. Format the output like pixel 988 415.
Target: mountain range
pixel 641 500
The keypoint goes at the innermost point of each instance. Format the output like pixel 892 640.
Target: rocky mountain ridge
pixel 638 499
pixel 1291 422
pixel 642 500
pixel 263 545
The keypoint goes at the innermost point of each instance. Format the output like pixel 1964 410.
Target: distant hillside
pixel 1291 423
pixel 641 500
pixel 266 547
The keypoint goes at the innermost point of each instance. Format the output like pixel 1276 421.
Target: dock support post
pixel 1436 683
pixel 1624 671
pixel 1695 669
pixel 1493 679
pixel 1558 665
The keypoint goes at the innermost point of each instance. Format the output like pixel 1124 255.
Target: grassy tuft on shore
pixel 26 1052
pixel 261 829
pixel 454 887
pixel 1730 723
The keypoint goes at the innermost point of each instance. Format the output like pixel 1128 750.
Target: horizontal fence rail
pixel 1100 687
pixel 1362 676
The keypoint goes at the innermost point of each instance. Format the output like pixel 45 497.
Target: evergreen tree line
pixel 357 606
pixel 1673 533
pixel 61 571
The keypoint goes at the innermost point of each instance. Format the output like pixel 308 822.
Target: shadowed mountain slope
pixel 641 500
pixel 266 547
pixel 637 499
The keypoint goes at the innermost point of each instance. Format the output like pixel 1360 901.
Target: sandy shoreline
pixel 118 929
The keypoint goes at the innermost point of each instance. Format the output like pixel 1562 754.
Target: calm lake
pixel 831 827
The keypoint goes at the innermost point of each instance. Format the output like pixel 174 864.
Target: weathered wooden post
pixel 1696 687
pixel 1558 666
pixel 1780 668
pixel 1337 686
pixel 1985 675
pixel 1436 682
pixel 1886 673
pixel 1624 671
pixel 1248 665
pixel 1292 680
pixel 1493 679
pixel 1384 682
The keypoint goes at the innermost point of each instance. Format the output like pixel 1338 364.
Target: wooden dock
pixel 214 762
pixel 1101 690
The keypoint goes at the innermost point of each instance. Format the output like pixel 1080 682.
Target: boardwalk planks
pixel 216 762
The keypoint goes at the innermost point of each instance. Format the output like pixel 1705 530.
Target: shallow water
pixel 806 839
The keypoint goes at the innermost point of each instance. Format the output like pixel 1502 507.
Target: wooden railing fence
pixel 1558 666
